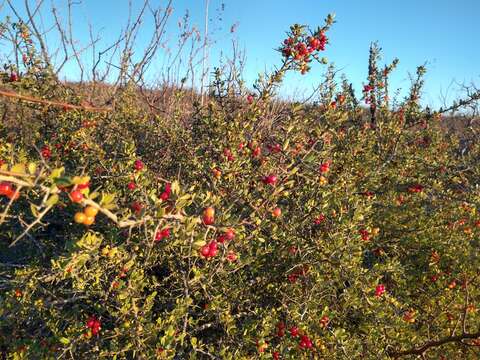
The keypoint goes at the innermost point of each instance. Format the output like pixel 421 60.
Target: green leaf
pixel 64 340
pixel 106 199
pixel 52 200
pixel 57 173
pixel 32 168
pixel 33 209
pixel 63 181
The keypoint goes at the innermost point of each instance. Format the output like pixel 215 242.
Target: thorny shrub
pixel 314 235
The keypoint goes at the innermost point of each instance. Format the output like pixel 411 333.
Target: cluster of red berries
pixel 6 189
pixel 379 290
pixel 303 271
pixel 302 50
pixel 304 343
pixel 324 321
pixel 325 167
pixel 166 193
pixel 228 154
pixel 209 250
pixel 46 152
pixel 162 234
pixel 275 148
pixel 319 219
pixel 365 234
pixel 94 325
pixel 417 188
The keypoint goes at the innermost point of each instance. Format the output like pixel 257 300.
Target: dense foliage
pixel 242 233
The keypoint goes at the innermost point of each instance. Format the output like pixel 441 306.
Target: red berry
pixel 138 165
pixel 162 234
pixel 165 232
pixel 250 98
pixel 416 188
pixel 276 355
pixel 132 185
pixel 294 331
pixel 270 180
pixel 13 195
pixel 5 188
pixel 230 234
pixel 13 76
pixel 275 148
pixel 205 251
pixel 91 321
pixel 221 238
pixel 231 256
pixel 208 220
pixel 276 212
pixel 213 247
pixel 76 196
pixel 168 188
pixel 164 196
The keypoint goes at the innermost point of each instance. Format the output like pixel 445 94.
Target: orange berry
pixel 79 217
pixel 90 211
pixel 276 212
pixel 89 220
pixel 209 212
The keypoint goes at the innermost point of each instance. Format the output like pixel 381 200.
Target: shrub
pixel 309 234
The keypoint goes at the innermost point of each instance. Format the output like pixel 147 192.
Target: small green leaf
pixel 33 209
pixel 52 200
pixel 32 168
pixel 63 181
pixel 64 340
pixel 57 173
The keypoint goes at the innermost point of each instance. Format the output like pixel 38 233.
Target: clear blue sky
pixel 443 33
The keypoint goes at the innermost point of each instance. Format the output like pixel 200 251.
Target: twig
pixel 29 227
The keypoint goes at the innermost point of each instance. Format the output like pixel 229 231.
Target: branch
pixel 422 349
pixel 66 106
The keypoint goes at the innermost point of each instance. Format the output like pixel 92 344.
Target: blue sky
pixel 443 33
